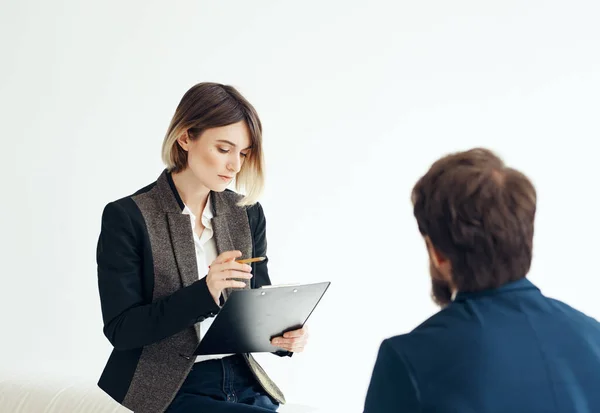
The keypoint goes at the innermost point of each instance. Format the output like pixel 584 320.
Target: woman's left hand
pixel 293 341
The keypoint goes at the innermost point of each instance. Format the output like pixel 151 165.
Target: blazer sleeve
pixel 260 271
pixel 258 226
pixel 130 319
pixel 392 387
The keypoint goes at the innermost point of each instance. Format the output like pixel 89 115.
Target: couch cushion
pixel 43 394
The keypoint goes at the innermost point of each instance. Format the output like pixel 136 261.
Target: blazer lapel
pixel 182 239
pixel 230 227
pixel 180 230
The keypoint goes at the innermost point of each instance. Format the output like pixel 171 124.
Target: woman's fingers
pixel 294 348
pixel 230 265
pixel 279 341
pixel 230 274
pixel 293 341
pixel 227 256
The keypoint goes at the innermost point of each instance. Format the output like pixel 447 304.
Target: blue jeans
pixel 225 385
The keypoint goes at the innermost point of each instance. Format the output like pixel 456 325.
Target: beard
pixel 441 291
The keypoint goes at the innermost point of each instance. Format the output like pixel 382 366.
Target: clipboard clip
pixel 295 290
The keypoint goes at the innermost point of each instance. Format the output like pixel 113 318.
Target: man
pixel 498 345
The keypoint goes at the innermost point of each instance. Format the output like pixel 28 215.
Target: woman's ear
pixel 184 141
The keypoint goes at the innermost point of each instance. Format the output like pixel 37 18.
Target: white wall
pixel 357 100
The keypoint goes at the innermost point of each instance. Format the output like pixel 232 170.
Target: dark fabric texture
pixel 225 385
pixel 505 350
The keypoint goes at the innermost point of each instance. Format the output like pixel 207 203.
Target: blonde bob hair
pixel 211 105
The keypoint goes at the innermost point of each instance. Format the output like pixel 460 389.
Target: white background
pixel 357 100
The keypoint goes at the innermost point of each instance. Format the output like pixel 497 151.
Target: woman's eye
pixel 243 155
pixel 223 150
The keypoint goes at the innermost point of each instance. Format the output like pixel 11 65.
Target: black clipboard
pixel 251 318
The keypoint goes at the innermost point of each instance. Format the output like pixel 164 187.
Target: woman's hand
pixel 222 272
pixel 293 341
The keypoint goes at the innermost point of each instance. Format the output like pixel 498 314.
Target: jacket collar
pixel 519 285
pixel 166 175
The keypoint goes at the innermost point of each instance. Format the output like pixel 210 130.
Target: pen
pixel 249 260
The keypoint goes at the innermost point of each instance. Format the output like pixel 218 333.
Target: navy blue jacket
pixel 509 350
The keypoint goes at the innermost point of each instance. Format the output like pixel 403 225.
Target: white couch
pixel 44 394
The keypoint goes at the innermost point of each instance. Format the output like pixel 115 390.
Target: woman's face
pixel 218 154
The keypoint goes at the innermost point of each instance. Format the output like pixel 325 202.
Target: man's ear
pixel 439 260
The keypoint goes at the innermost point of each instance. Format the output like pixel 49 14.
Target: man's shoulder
pixel 432 336
pixel 460 324
pixel 572 314
pixel 452 315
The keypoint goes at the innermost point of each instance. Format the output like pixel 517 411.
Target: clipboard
pixel 251 318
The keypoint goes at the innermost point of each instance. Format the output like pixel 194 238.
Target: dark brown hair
pixel 480 215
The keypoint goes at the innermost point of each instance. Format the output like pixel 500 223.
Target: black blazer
pixel 150 293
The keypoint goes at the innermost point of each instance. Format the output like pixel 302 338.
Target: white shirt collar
pixel 207 214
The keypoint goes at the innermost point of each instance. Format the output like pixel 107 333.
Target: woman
pixel 166 262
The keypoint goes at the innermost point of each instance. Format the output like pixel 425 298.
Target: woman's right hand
pixel 222 272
